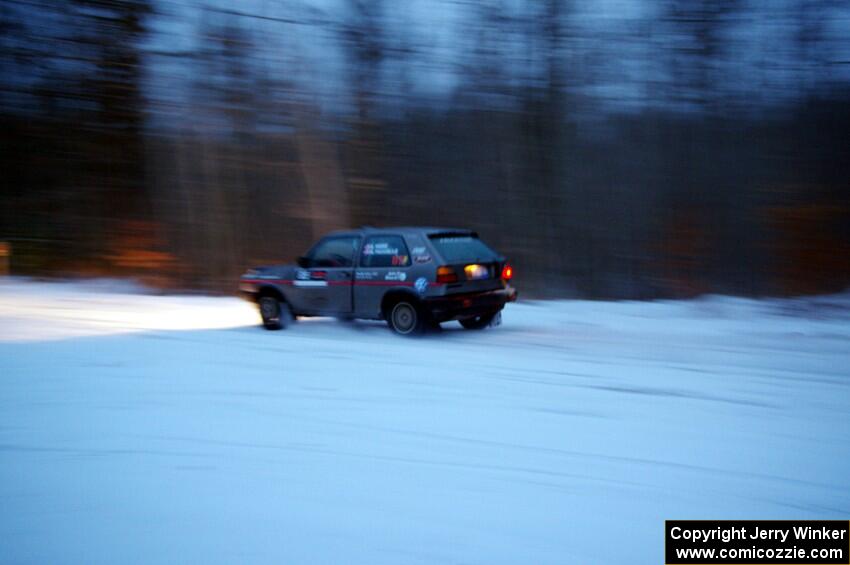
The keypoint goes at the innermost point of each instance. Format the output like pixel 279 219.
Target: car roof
pixel 403 230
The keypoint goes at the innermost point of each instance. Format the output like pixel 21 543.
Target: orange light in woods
pixel 507 272
pixel 446 275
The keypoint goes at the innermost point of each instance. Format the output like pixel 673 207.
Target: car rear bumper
pixel 457 306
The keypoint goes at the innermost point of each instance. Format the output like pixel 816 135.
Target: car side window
pixel 384 251
pixel 334 252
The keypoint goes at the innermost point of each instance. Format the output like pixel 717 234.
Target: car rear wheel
pixel 478 322
pixel 275 314
pixel 405 318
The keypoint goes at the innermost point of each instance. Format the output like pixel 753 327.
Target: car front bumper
pixel 247 291
pixel 459 306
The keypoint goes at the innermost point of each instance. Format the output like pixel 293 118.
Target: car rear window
pixel 462 248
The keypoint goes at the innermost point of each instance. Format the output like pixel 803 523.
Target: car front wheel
pixel 275 314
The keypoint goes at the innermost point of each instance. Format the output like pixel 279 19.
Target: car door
pixel 323 286
pixel 384 263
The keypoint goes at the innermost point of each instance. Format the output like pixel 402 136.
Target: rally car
pixel 412 277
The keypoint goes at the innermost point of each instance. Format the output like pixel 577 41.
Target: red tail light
pixel 507 272
pixel 446 275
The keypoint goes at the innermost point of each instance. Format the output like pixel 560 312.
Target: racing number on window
pixel 384 251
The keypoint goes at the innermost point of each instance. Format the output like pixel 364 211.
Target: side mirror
pixel 303 262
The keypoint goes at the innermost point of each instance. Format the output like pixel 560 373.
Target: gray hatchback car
pixel 412 277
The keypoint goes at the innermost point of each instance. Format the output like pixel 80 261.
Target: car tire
pixel 478 322
pixel 406 318
pixel 276 315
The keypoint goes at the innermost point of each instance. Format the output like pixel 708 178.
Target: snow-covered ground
pixel 159 429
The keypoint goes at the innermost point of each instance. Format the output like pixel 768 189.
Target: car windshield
pixel 462 248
